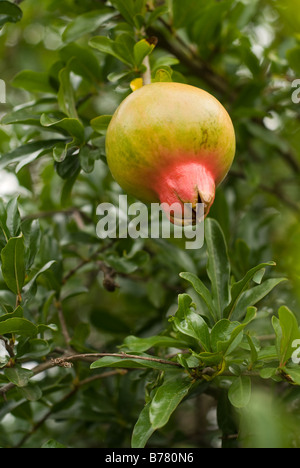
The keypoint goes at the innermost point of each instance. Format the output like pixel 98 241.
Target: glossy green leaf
pixel 87 23
pixel 9 13
pixel 201 289
pixel 66 96
pixel 13 265
pixel 190 323
pixel 19 326
pixel 287 332
pixel 116 49
pixel 71 126
pixel 35 82
pixel 218 267
pixel 141 50
pixel 27 153
pixel 238 288
pixel 30 287
pixel 240 392
pixel 143 429
pixel 139 345
pixel 167 398
pixel 253 296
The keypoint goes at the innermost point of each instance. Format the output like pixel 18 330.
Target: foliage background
pixel 246 53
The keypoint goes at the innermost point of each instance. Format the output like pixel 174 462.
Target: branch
pixel 92 356
pixel 68 357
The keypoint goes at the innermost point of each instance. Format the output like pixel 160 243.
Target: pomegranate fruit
pixel 171 143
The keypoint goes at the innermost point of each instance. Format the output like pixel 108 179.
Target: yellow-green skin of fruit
pixel 161 134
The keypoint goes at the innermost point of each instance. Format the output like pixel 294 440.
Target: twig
pixel 85 261
pixel 63 324
pixel 92 356
pixel 147 74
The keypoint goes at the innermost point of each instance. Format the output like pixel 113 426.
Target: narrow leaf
pixel 13 264
pixel 143 429
pixel 87 23
pixel 253 296
pixel 239 287
pixel 201 289
pixel 166 399
pixel 218 267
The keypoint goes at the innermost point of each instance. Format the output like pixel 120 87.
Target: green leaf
pixel 130 10
pixel 25 154
pixel 35 82
pixel 13 220
pixel 13 264
pixel 18 375
pixel 87 23
pixel 239 393
pixel 66 97
pixel 294 373
pixel 9 13
pixel 82 61
pixel 139 345
pixel 162 76
pixel 191 324
pixel 253 296
pixel 52 444
pixel 218 268
pixel 73 126
pixel 221 333
pixel 141 50
pixel 101 123
pixel 288 333
pixel 30 287
pixel 19 326
pixel 143 429
pixel 201 289
pixel 167 398
pixel 238 288
pixel 18 312
pixel 114 48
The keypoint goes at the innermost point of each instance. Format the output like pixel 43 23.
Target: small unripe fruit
pixel 171 143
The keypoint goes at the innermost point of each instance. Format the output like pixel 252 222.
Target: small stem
pixel 147 74
pixel 63 324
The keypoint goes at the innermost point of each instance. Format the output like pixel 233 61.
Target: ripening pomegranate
pixel 171 143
